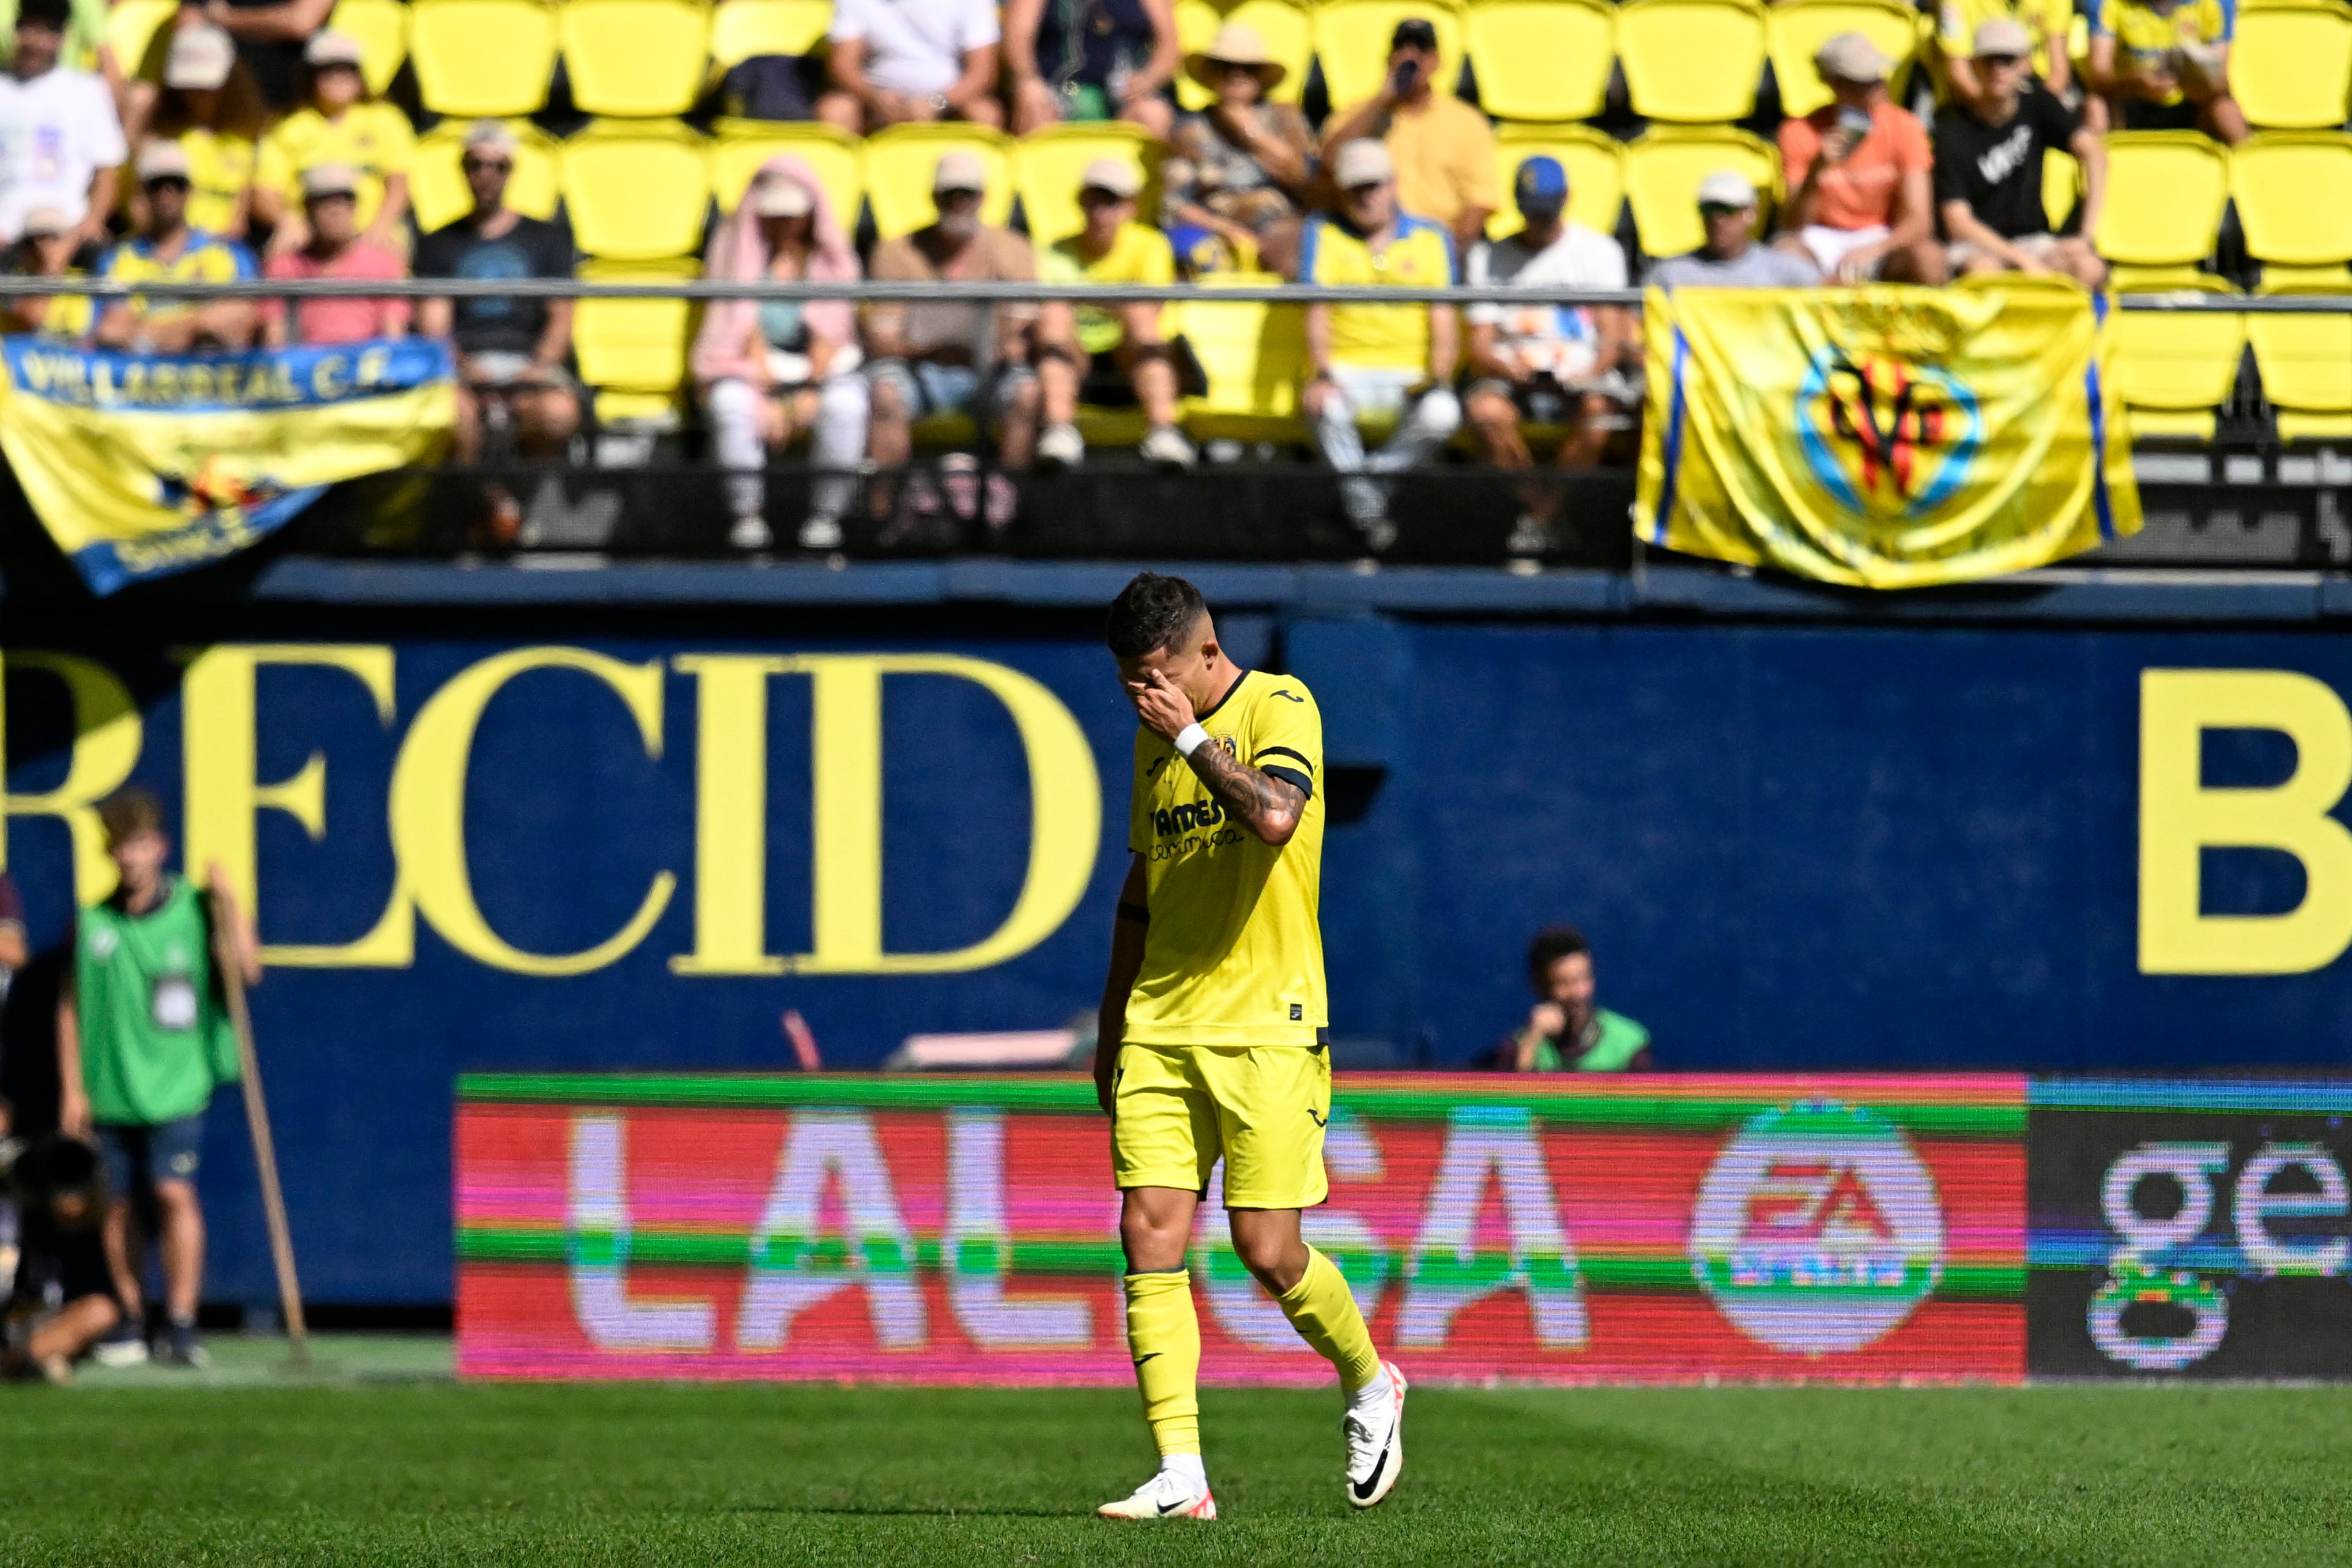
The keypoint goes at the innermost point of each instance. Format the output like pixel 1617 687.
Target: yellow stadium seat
pixel 436 185
pixel 381 30
pixel 2172 369
pixel 741 28
pixel 1254 356
pixel 2306 280
pixel 2291 63
pixel 1047 164
pixel 2166 189
pixel 831 154
pixel 637 190
pixel 1282 25
pixel 1662 171
pixel 2306 367
pixel 2294 190
pixel 132 26
pixel 1595 165
pixel 633 352
pixel 639 58
pixel 482 57
pixel 1693 62
pixel 1540 59
pixel 2062 185
pixel 1798 28
pixel 1352 39
pixel 898 165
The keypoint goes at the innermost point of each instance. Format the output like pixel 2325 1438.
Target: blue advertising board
pixel 477 844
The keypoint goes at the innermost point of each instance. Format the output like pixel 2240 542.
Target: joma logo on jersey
pixel 1169 821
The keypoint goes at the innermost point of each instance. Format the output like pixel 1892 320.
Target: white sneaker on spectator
pixel 750 532
pixel 1061 446
pixel 123 1346
pixel 1530 536
pixel 1167 447
pixel 821 532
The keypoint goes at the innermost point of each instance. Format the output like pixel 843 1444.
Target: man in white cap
pixel 1731 259
pixel 2046 24
pixel 1860 201
pixel 1442 149
pixel 1367 361
pixel 345 126
pixel 1108 356
pixel 60 143
pixel 335 248
pixel 46 249
pixel 952 357
pixel 898 62
pixel 165 248
pixel 1989 153
pixel 516 349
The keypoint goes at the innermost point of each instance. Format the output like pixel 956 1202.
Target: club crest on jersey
pixel 1817 1229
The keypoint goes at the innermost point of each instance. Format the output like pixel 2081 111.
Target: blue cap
pixel 1542 185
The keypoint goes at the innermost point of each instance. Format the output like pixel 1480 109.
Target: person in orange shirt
pixel 1858 173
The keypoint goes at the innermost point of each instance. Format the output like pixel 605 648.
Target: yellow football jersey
pixel 1233 955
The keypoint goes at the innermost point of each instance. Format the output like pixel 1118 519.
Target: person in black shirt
pixel 512 349
pixel 1989 156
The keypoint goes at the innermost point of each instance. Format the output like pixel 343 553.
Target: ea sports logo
pixel 1817 1229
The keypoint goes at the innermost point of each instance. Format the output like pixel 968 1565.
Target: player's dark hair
pixel 52 14
pixel 129 812
pixel 1552 945
pixel 1152 613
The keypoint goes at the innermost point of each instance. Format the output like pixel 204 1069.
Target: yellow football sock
pixel 1164 1337
pixel 1325 1315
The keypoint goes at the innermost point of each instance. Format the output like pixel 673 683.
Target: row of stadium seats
pixel 640 190
pixel 1686 61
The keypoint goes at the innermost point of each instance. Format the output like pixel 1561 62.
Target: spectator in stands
pixel 1366 360
pixel 168 248
pixel 2045 23
pixel 954 358
pixel 347 126
pixel 2164 65
pixel 1573 365
pixel 1444 149
pixel 1989 153
pixel 212 109
pixel 900 61
pixel 1860 202
pixel 1091 59
pixel 1731 259
pixel 770 370
pixel 515 350
pixel 335 248
pixel 1241 172
pixel 271 39
pixel 141 1043
pixel 64 1292
pixel 46 249
pixel 63 143
pixel 1564 1031
pixel 1108 356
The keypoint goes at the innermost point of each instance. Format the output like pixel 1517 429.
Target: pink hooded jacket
pixel 738 254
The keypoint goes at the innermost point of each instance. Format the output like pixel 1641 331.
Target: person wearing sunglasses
pixel 1728 208
pixel 166 249
pixel 1989 155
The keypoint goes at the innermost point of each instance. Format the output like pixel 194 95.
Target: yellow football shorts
pixel 1175 1109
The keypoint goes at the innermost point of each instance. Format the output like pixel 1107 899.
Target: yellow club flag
pixel 1885 437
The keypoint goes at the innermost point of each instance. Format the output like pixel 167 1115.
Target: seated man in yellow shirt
pixel 2164 65
pixel 1443 148
pixel 1373 360
pixel 167 248
pixel 1099 354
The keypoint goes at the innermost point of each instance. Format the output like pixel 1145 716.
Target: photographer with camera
pixel 64 1300
pixel 143 1038
pixel 1444 149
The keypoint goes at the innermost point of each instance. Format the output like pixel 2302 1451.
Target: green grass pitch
pixel 252 1471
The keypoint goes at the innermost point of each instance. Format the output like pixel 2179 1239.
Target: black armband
pixel 1136 912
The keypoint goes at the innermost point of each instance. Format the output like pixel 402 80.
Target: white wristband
pixel 1190 739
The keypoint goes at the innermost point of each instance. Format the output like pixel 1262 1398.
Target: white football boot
pixel 1165 1496
pixel 1376 1443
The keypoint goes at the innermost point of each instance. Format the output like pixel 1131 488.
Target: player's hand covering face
pixel 1159 704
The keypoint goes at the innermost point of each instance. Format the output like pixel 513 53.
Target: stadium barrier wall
pixel 577 841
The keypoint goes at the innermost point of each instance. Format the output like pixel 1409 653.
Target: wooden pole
pixel 231 964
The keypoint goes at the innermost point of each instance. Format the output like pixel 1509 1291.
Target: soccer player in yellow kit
pixel 1214 1031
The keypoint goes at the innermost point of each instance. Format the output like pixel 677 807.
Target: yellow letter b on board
pixel 2179 818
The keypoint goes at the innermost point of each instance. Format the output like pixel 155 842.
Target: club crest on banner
pixel 1890 439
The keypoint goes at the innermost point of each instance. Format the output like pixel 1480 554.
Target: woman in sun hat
pixel 1238 172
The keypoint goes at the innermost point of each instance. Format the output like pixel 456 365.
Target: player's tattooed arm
pixel 1267 806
